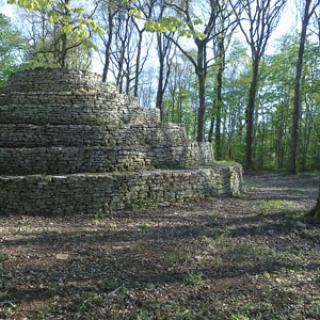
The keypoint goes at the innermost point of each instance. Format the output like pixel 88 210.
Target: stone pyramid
pixel 70 144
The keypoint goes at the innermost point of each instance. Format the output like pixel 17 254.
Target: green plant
pixel 99 215
pixel 276 204
pixel 3 257
pixel 193 278
pixel 8 311
pixel 144 228
pixel 143 315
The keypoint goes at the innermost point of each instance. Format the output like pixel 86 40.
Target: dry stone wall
pixel 72 144
pixel 94 193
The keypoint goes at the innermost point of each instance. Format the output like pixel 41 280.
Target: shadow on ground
pixel 177 263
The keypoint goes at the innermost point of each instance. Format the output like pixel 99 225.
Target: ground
pixel 251 257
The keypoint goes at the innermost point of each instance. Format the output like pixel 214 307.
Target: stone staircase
pixel 70 144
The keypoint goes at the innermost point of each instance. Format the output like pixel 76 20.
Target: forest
pixel 224 70
pixel 242 76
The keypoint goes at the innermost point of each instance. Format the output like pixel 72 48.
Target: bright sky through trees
pixel 288 22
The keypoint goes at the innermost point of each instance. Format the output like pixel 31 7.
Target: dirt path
pixel 245 258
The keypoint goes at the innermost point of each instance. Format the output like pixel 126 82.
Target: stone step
pixel 30 136
pixel 75 114
pixel 67 160
pixel 103 100
pixel 58 80
pixel 102 193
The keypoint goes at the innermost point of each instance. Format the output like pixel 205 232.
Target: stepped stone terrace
pixel 70 144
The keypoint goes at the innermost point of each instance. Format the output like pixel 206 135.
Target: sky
pixel 288 22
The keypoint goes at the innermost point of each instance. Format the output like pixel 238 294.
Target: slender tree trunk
pixel 164 48
pixel 161 56
pixel 297 91
pixel 210 134
pixel 127 77
pixel 202 107
pixel 279 143
pixel 159 100
pixel 306 135
pixel 119 79
pixel 106 66
pixel 250 114
pixel 64 39
pixel 107 55
pixel 219 101
pixel 202 75
pixel 180 112
pixel 137 71
pixel 124 44
pixel 63 53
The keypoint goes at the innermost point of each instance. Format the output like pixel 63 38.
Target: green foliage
pixel 274 105
pixel 12 45
pixel 174 24
pixel 71 18
pixel 71 27
pixel 42 54
pixel 3 257
pixel 193 279
pixel 169 24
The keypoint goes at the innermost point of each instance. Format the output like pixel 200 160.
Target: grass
pixel 3 257
pixel 144 228
pixel 275 204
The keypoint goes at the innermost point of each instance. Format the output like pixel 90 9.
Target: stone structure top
pixel 58 80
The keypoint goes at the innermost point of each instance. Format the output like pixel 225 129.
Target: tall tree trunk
pixel 161 56
pixel 164 48
pixel 306 135
pixel 279 144
pixel 64 39
pixel 202 107
pixel 202 75
pixel 159 100
pixel 107 58
pixel 63 53
pixel 210 133
pixel 124 43
pixel 107 55
pixel 137 71
pixel 250 114
pixel 127 77
pixel 219 101
pixel 297 90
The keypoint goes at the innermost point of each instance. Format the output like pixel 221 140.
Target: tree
pixel 236 80
pixel 257 20
pixel 107 12
pixel 127 55
pixel 42 38
pixel 12 44
pixel 220 44
pixel 202 32
pixel 146 7
pixel 72 25
pixel 166 53
pixel 309 9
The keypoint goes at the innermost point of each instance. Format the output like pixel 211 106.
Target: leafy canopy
pixel 72 19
